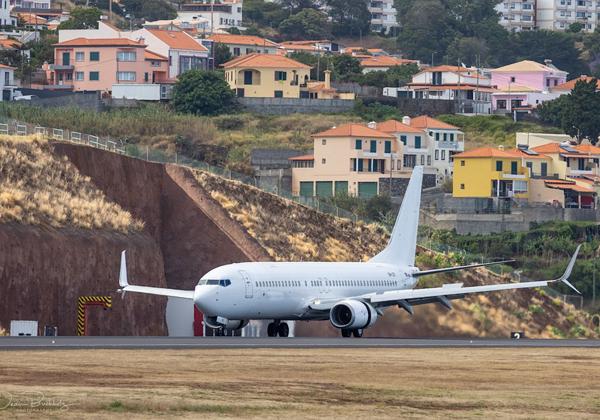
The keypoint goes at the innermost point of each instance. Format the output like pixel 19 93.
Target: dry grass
pixel 39 188
pixel 289 231
pixel 306 383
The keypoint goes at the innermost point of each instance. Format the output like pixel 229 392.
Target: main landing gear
pixel 278 328
pixel 356 332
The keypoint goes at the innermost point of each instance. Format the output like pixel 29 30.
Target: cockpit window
pixel 222 282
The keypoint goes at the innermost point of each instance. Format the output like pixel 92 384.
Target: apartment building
pixel 30 4
pixel 83 64
pixel 383 16
pixel 554 174
pixel 519 15
pixel 5 16
pixel 221 15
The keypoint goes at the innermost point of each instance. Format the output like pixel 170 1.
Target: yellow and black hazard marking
pixel 82 303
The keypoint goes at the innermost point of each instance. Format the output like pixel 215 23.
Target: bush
pixel 203 93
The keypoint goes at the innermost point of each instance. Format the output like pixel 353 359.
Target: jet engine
pixel 228 324
pixel 352 314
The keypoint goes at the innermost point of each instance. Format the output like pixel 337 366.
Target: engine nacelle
pixel 229 324
pixel 352 314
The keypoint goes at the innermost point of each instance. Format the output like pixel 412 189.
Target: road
pixel 45 343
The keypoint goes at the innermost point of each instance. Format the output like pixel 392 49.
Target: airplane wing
pixel 126 287
pixel 407 298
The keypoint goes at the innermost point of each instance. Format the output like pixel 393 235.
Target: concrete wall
pixel 399 185
pixel 283 106
pixel 414 107
pixel 88 100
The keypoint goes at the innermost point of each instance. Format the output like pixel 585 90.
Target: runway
pixel 61 343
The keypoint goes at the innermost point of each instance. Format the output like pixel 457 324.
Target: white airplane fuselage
pixel 282 290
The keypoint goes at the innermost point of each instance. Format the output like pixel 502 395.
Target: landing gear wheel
pixel 272 329
pixel 357 332
pixel 283 330
pixel 346 333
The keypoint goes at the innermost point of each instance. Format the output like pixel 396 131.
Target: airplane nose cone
pixel 204 299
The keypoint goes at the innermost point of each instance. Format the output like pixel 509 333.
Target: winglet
pixel 123 273
pixel 567 273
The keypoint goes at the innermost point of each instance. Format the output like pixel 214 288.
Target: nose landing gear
pixel 278 328
pixel 356 332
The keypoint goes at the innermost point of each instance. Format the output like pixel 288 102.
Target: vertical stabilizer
pixel 402 246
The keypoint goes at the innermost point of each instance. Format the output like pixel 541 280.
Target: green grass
pixel 493 130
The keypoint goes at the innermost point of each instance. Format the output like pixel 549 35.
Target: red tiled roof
pixel 353 130
pixel 568 86
pixel 483 152
pixel 460 69
pixel 150 55
pixel 178 40
pixel 100 42
pixel 425 121
pixel 384 61
pixel 393 126
pixel 265 60
pixel 242 40
pixel 303 157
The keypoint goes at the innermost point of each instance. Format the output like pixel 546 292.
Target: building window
pixel 94 76
pixel 428 160
pixel 437 155
pixel 499 165
pixel 373 146
pixel 445 136
pixel 501 104
pixel 155 63
pixel 437 136
pixel 146 77
pixel 323 161
pixel 443 155
pixel 388 146
pixel 513 168
pixel 451 136
pixel 79 56
pixel 544 169
pixel 462 186
pixel 126 76
pixel 422 159
pixel 358 144
pixel 126 56
pixel 512 79
pixel 324 142
pixel 462 163
pixel 403 140
pixel 94 56
pixel 79 76
pixel 417 142
pixel 279 93
pixel 236 51
pixel 280 75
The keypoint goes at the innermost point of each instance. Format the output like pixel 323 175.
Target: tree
pixel 295 6
pixel 345 65
pixel 221 54
pixel 470 51
pixel 307 24
pixel 575 27
pixel 203 93
pixel 576 113
pixel 349 17
pixel 150 9
pixel 260 12
pixel 82 18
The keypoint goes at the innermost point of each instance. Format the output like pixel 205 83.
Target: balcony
pixel 513 176
pixel 61 67
pixel 457 146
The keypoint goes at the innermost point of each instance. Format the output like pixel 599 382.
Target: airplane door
pixel 247 284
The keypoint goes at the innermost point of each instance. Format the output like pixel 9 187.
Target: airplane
pixel 351 295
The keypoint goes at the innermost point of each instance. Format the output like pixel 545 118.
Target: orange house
pixel 84 64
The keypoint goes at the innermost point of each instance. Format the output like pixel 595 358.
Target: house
pixel 567 87
pixel 350 159
pixel 323 90
pixel 181 49
pixel 525 85
pixel 7 43
pixel 222 15
pixel 195 27
pixel 7 82
pixel 382 63
pixel 32 21
pixel 266 76
pixel 245 44
pixel 83 64
pixel 6 19
pixel 468 86
pixel 551 174
pixel 318 47
pixel 383 17
pixel 31 4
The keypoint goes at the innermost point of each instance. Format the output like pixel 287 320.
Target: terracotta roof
pixel 568 86
pixel 265 60
pixel 303 157
pixel 242 40
pixel 8 44
pixel 483 152
pixel 425 121
pixel 521 153
pixel 353 130
pixel 297 46
pixel 569 186
pixel 526 66
pixel 548 148
pixel 419 86
pixel 384 61
pixel 4 66
pixel 32 19
pixel 100 42
pixel 515 89
pixel 150 55
pixel 393 126
pixel 178 40
pixel 583 149
pixel 588 148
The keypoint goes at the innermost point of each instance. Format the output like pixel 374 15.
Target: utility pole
pixel 594 287
pixel 110 16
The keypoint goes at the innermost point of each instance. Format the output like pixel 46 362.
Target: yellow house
pixel 489 172
pixel 266 76
pixel 350 159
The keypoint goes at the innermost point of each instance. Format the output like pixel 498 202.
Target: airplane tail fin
pixel 402 246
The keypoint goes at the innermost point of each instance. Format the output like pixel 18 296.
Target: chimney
pixel 372 125
pixel 548 62
pixel 327 79
pixel 406 120
pixel 501 147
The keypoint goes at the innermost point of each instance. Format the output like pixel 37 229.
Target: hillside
pixel 290 231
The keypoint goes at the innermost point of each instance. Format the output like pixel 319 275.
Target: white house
pixel 5 17
pixel 7 82
pixel 221 15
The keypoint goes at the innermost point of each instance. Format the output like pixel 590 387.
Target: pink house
pixel 97 64
pixel 524 85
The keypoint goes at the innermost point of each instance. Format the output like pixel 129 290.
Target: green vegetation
pixel 307 24
pixel 493 130
pixel 82 18
pixel 541 253
pixel 150 9
pixel 576 113
pixel 377 208
pixel 202 93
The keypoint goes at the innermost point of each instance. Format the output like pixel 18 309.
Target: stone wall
pixel 399 185
pixel 283 106
pixel 415 107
